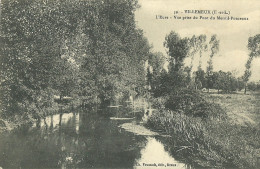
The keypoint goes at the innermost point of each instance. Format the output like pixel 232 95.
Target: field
pixel 243 109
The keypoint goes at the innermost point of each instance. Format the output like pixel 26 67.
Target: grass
pixel 232 142
pixel 241 109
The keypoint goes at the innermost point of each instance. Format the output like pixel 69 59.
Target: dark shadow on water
pixel 84 139
pixel 79 140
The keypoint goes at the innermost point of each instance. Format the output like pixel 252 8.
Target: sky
pixel 233 34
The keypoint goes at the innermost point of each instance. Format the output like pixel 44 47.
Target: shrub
pixel 192 103
pixel 159 102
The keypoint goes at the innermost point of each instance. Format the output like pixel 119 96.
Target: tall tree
pixel 156 62
pixel 178 49
pixel 202 47
pixel 254 48
pixel 194 47
pixel 200 74
pixel 214 47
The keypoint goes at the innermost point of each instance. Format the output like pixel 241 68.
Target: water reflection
pixel 153 155
pixel 70 141
pixel 79 140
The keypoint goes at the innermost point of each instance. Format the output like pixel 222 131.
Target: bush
pixel 158 103
pixel 192 103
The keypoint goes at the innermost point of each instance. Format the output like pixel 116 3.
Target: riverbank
pixel 218 142
pixel 11 123
pixel 15 122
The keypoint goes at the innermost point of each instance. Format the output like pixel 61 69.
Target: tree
pixel 26 53
pixel 214 47
pixel 89 48
pixel 226 82
pixel 202 45
pixel 156 60
pixel 154 71
pixel 252 86
pixel 162 84
pixel 194 47
pixel 254 47
pixel 199 79
pixel 178 50
pixel 200 74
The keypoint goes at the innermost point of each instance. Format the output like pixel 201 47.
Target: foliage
pixel 90 50
pixel 178 49
pixel 227 82
pixel 192 103
pixel 254 47
pixel 214 46
pixel 156 60
pixel 161 84
pixel 199 78
pixel 194 48
pixel 166 81
pixel 202 47
pixel 253 86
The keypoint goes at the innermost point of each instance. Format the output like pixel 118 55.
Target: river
pixel 84 140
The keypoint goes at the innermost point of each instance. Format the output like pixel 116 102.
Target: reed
pixel 214 140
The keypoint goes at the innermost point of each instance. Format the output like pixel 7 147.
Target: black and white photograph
pixel 129 84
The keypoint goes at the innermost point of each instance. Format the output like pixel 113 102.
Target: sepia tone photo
pixel 129 84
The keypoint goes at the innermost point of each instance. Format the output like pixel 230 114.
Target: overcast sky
pixel 233 35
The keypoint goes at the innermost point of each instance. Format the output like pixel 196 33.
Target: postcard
pixel 129 84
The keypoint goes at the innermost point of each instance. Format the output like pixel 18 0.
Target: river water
pixel 83 140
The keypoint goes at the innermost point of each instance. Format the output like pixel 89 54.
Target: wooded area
pixel 88 50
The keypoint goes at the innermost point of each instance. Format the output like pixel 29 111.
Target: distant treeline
pixel 162 82
pixel 223 82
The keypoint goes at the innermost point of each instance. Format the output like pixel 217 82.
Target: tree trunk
pixel 245 88
pixel 60 118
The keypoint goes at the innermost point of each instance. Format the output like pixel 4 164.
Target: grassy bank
pixel 215 140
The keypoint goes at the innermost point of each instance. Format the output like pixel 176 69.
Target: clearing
pixel 243 109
